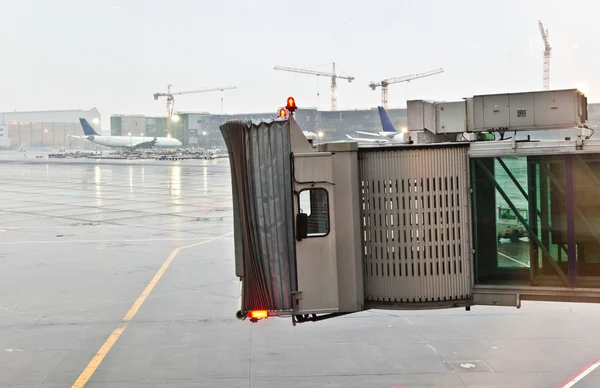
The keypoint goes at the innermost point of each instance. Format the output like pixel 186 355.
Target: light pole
pixel 96 121
pixel 174 118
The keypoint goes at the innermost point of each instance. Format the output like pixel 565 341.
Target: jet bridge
pixel 339 229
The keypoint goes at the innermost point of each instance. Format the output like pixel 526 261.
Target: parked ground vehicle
pixel 508 225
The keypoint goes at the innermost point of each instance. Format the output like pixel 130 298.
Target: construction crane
pixel 547 50
pixel 333 76
pixel 171 100
pixel 386 82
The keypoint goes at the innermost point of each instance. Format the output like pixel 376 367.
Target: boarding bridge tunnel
pixel 335 229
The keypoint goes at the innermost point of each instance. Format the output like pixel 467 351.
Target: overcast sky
pixel 114 54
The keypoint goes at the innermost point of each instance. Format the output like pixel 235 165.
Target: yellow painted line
pixel 91 367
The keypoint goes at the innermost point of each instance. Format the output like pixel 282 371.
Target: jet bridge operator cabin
pixel 492 204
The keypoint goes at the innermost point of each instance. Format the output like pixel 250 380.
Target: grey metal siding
pixel 415 225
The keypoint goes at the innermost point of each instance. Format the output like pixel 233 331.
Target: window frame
pixel 328 221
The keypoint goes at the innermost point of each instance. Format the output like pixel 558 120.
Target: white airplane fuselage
pixel 393 137
pixel 132 141
pixel 381 137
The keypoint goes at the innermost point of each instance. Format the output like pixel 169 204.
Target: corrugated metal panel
pixel 415 225
pixel 259 157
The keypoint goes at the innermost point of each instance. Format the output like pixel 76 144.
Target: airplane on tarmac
pixel 128 142
pixel 389 134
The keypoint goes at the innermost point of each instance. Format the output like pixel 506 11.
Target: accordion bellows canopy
pixel 259 155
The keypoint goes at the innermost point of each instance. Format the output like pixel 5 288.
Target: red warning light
pixel 255 315
pixel 282 112
pixel 291 104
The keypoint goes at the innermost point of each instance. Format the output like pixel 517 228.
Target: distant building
pixel 156 126
pixel 594 116
pixel 46 128
pixel 136 125
pixel 189 128
pixel 329 125
pixel 124 125
pixel 194 130
pixel 201 129
pixel 4 139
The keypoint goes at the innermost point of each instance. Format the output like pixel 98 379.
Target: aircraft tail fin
pixel 386 123
pixel 87 128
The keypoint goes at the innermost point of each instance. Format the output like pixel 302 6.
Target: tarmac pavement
pixel 122 275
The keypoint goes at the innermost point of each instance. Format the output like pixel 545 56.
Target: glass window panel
pixel 521 230
pixel 315 203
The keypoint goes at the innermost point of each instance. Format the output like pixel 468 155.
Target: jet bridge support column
pixel 347 224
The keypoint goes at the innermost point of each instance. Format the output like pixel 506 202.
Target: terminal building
pixel 45 129
pixel 201 129
pixel 51 129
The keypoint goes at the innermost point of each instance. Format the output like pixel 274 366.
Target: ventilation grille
pixel 415 225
